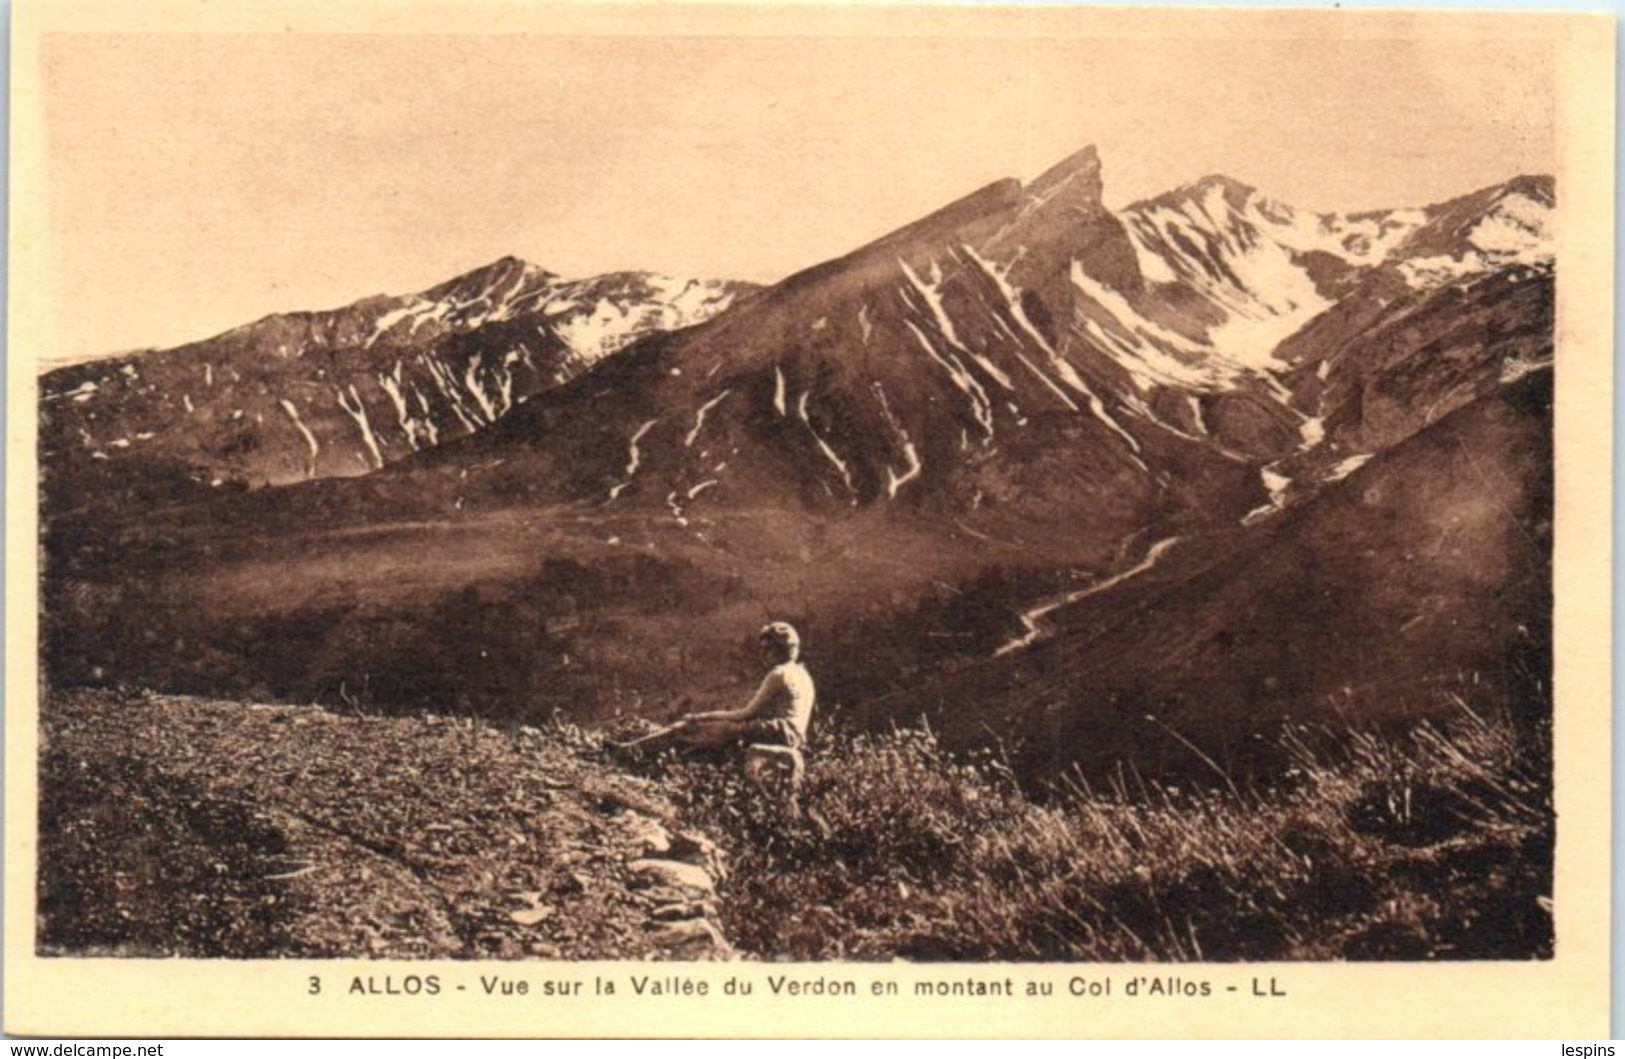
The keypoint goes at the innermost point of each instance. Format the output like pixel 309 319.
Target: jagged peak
pixel 1219 180
pixel 996 200
pixel 1075 178
pixel 1236 194
pixel 1083 160
pixel 506 265
pixel 504 270
pixel 1079 172
pixel 1540 187
pixel 1454 215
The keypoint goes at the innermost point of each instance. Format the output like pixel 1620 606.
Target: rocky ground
pixel 189 827
pixel 207 828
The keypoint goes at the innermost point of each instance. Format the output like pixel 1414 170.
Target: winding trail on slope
pixel 1031 617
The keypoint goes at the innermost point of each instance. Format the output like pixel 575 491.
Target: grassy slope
pixel 191 827
pixel 1437 845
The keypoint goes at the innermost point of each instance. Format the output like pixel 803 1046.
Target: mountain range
pixel 344 392
pixel 1035 467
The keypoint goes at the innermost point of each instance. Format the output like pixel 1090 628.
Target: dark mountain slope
pixel 1423 572
pixel 935 371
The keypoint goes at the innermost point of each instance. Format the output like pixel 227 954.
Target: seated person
pixel 777 714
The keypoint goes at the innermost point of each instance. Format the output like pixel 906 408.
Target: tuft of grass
pixel 1432 844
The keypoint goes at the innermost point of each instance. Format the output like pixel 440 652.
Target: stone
pixel 535 910
pixel 529 917
pixel 657 896
pixel 616 797
pixel 683 910
pixel 694 848
pixel 673 873
pixel 693 939
pixel 650 837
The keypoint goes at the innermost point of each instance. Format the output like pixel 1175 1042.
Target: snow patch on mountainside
pixel 913 465
pixel 1059 364
pixel 589 333
pixel 1275 299
pixel 1343 468
pixel 310 439
pixel 962 378
pixel 633 458
pixel 357 411
pixel 824 447
pixel 1149 352
pixel 1515 230
pixel 1518 227
pixel 1253 282
pixel 616 321
pixel 1364 239
pixel 699 417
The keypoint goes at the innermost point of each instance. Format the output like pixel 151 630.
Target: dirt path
pixel 1031 618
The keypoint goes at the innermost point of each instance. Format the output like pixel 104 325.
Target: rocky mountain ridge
pixel 1195 356
pixel 343 392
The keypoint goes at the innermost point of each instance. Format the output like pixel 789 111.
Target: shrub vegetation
pixel 1435 843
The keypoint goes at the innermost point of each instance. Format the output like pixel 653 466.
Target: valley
pixel 1029 468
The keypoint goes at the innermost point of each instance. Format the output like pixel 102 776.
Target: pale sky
pixel 199 181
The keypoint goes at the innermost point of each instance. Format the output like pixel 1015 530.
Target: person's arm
pixel 770 684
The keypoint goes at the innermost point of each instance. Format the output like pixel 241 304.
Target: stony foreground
pixel 189 827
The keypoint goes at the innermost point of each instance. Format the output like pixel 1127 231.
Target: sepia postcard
pixel 808 520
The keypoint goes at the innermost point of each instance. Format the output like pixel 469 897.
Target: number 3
pixel 315 985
